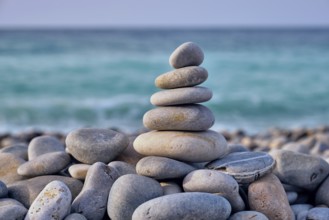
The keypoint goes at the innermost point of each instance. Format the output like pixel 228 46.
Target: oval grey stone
pixel 215 182
pixel 318 213
pixel 26 191
pixel 179 96
pixel 79 171
pixel 292 197
pixel 90 145
pixel 248 215
pixel 91 201
pixel 3 190
pixel 192 117
pixel 11 209
pixel 42 145
pixel 128 192
pixel 19 150
pixel 290 168
pixel 184 77
pixel 122 168
pixel 187 54
pixel 75 216
pixel 162 168
pixel 9 164
pixel 322 194
pixel 46 164
pixel 192 205
pixel 53 202
pixel 185 146
pixel 245 167
pixel 297 208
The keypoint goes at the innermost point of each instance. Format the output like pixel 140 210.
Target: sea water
pixel 65 79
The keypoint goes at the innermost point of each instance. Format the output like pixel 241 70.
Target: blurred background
pixel 70 64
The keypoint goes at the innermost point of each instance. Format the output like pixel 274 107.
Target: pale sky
pixel 165 13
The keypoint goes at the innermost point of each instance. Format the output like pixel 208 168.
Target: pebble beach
pixel 176 167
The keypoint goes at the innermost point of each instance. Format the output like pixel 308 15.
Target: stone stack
pixel 179 125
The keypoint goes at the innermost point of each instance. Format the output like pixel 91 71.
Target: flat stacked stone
pixel 179 124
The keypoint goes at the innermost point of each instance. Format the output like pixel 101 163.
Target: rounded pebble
pixel 90 145
pixel 11 209
pixel 212 181
pixel 318 213
pixel 248 215
pixel 184 77
pixel 46 164
pixel 322 194
pixel 91 201
pixel 245 167
pixel 42 145
pixel 19 150
pixel 128 192
pixel 79 171
pixel 185 146
pixel 179 96
pixel 298 169
pixel 187 54
pixel 9 164
pixel 162 168
pixel 292 197
pixel 192 205
pixel 267 196
pixel 192 117
pixel 53 202
pixel 75 216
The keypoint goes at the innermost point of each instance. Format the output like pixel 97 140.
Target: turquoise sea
pixel 64 79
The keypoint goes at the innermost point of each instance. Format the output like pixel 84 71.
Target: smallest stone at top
pixel 187 54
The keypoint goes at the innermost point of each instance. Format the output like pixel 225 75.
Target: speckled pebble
pixel 52 203
pixel 187 54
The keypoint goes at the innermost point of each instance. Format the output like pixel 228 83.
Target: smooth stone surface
pixel 122 168
pixel 90 145
pixel 245 167
pixel 53 202
pixel 298 169
pixel 19 150
pixel 292 197
pixel 322 194
pixel 75 216
pixel 297 208
pixel 8 168
pixel 179 96
pixel 46 164
pixel 233 148
pixel 318 214
pixel 3 190
pixel 248 215
pixel 11 209
pixel 170 188
pixel 187 54
pixel 42 145
pixel 27 190
pixel 91 201
pixel 296 147
pixel 185 146
pixel 183 77
pixel 192 117
pixel 162 168
pixel 128 192
pixel 267 196
pixel 79 171
pixel 192 205
pixel 215 182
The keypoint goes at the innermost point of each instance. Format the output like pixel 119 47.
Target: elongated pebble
pixel 192 117
pixel 53 203
pixel 193 205
pixel 245 167
pixel 187 54
pixel 183 77
pixel 162 168
pixel 79 171
pixel 179 96
pixel 185 146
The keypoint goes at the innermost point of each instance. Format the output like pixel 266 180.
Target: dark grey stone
pixel 91 145
pixel 292 197
pixel 183 77
pixel 192 205
pixel 128 192
pixel 3 190
pixel 162 168
pixel 322 194
pixel 42 145
pixel 11 209
pixel 91 202
pixel 245 167
pixel 187 54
